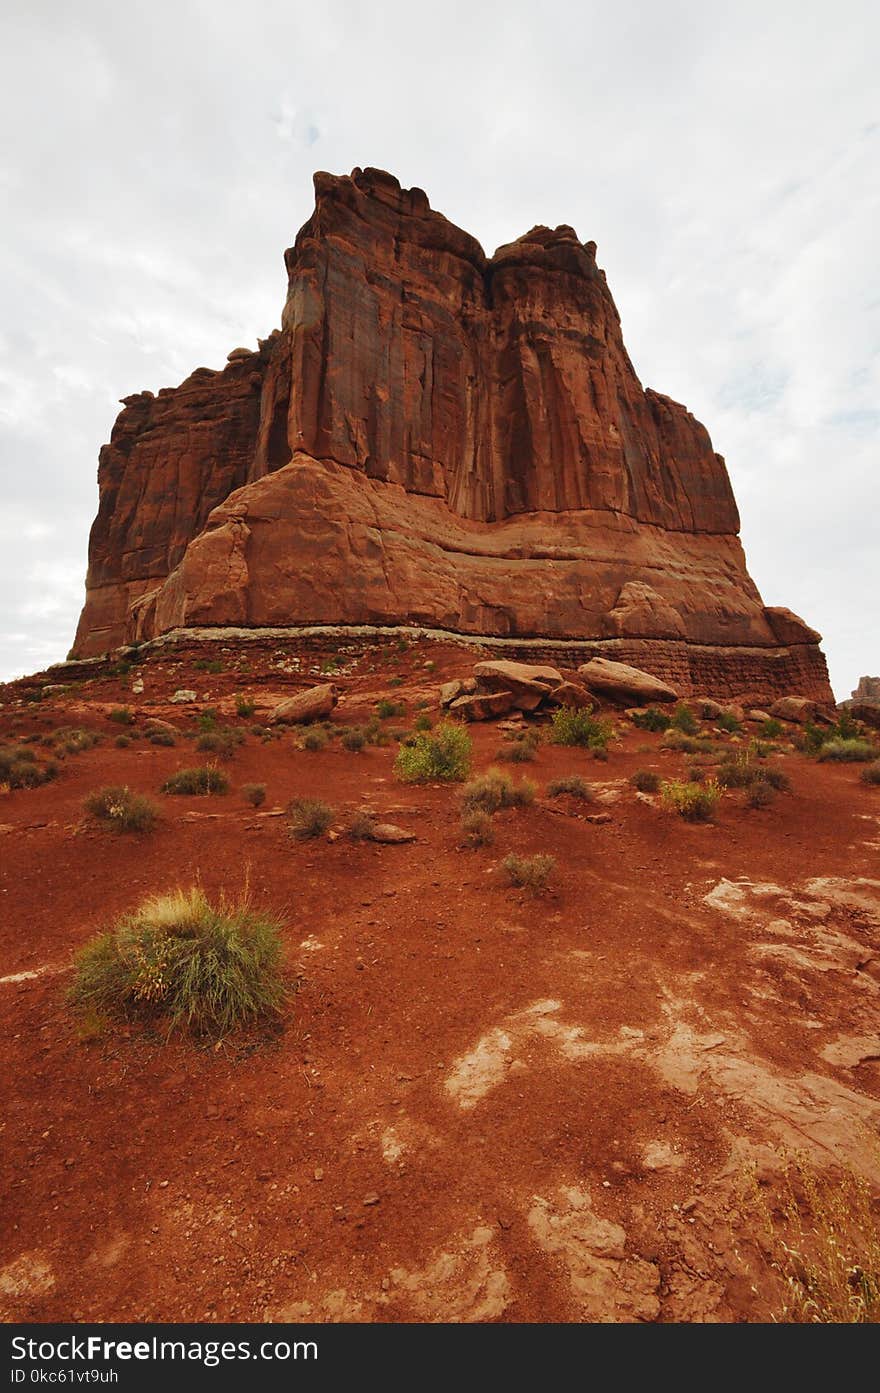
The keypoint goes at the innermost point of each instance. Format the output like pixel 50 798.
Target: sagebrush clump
pixel 578 726
pixel 529 872
pixel 354 739
pixel 200 781
pixel 314 739
pixel 309 817
pixel 494 790
pixel 694 802
pixel 443 754
pixel 477 829
pixel 19 768
pixel 645 780
pixel 199 967
pixel 847 751
pixel 871 775
pixel 223 741
pixel 571 785
pixel 255 794
pixel 521 749
pixel 651 719
pixel 122 810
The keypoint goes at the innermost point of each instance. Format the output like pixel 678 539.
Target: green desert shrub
pixel 771 729
pixel 572 785
pixel 375 733
pixel 362 827
pixel 442 754
pixel 871 775
pixel 652 719
pixel 687 744
pixel 122 810
pixel 494 790
pixel 255 794
pixel 164 738
pixel 529 872
pixel 121 715
pixel 386 709
pixel 207 719
pixel 354 739
pixel 314 739
pixel 204 779
pixel 422 722
pixel 811 739
pixel 760 794
pixel 476 827
pixel 572 725
pixel 71 740
pixel 123 742
pixel 201 968
pixel 683 719
pixel 736 773
pixel 223 741
pixel 848 751
pixel 309 817
pixel 244 706
pixel 645 780
pixel 522 749
pixel 729 723
pixel 19 768
pixel 694 802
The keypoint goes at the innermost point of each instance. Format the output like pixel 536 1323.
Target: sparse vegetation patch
pixel 122 810
pixel 202 968
pixel 204 779
pixel 443 754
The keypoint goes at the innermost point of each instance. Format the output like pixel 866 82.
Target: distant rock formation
pixel 868 689
pixel 441 439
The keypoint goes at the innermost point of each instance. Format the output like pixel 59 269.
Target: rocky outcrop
pixel 622 684
pixel 436 438
pixel 314 704
pixel 868 689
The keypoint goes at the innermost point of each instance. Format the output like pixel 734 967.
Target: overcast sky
pixel 157 159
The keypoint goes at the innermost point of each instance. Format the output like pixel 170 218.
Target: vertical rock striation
pixel 440 438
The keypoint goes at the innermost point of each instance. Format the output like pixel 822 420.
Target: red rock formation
pixel 443 439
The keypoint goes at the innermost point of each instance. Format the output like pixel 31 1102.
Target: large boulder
pixel 312 705
pixel 497 674
pixel 623 684
pixel 794 708
pixel 483 706
pixel 571 694
pixel 866 711
pixel 455 688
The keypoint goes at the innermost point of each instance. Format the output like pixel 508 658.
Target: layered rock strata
pixel 441 439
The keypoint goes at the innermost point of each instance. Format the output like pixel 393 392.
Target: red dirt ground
pixel 483 1105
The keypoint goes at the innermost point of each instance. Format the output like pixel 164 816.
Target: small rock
pixel 183 694
pixel 371 1199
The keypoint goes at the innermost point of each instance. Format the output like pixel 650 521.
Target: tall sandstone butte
pixel 441 439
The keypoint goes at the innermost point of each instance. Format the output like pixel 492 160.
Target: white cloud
pixel 724 158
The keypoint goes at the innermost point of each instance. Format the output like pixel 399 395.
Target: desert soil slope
pixel 481 1104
